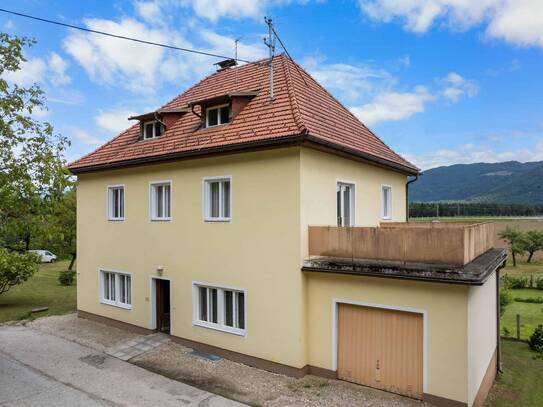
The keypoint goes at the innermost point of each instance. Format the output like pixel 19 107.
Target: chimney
pixel 227 63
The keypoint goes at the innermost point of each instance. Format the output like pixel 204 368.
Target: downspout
pixel 407 196
pixel 498 317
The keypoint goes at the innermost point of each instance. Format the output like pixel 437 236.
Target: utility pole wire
pixel 122 37
pixel 288 55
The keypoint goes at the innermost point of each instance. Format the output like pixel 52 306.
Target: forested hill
pixel 507 182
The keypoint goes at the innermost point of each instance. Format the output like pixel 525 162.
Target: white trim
pixel 152 299
pixel 206 203
pixel 117 304
pixel 151 201
pixel 207 109
pixel 109 188
pixel 220 325
pixel 336 301
pixel 353 199
pixel 154 129
pixel 389 208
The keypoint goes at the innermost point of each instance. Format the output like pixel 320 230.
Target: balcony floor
pixel 474 273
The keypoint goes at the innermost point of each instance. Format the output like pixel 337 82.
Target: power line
pixel 122 37
pixel 288 55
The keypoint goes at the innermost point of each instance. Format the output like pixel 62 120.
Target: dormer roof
pixel 301 113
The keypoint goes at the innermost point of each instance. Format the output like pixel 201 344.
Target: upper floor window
pixel 150 130
pixel 345 204
pixel 115 202
pixel 160 200
pixel 116 288
pixel 217 199
pixel 387 201
pixel 217 115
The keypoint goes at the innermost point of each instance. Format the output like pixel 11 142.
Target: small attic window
pixel 151 130
pixel 217 115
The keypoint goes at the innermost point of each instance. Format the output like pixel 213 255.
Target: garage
pixel 381 348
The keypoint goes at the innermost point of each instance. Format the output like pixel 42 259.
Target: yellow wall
pixel 481 333
pixel 446 310
pixel 258 251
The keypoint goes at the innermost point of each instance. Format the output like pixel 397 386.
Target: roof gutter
pixel 287 141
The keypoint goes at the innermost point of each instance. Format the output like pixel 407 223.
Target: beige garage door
pixel 381 348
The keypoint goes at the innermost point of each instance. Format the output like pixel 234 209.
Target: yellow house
pixel 269 231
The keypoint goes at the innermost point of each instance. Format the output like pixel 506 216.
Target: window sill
pixel 116 304
pixel 116 219
pixel 211 220
pixel 386 218
pixel 161 219
pixel 221 328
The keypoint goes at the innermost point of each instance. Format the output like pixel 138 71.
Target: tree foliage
pixel 516 240
pixel 15 268
pixel 32 177
pixel 534 243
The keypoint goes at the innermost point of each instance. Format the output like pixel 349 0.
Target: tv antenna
pixel 270 43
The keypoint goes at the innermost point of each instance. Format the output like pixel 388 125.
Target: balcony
pixel 419 250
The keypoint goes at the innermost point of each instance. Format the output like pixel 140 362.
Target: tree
pixel 15 268
pixel 516 241
pixel 32 178
pixel 534 242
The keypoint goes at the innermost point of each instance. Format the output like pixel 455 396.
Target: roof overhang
pixel 305 140
pixel 160 112
pixel 223 98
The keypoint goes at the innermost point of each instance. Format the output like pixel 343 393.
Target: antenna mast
pixel 270 43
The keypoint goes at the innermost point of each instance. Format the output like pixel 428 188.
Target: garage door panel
pixel 381 348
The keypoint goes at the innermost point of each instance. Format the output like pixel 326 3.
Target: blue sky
pixel 441 81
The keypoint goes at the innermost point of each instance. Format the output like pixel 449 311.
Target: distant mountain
pixel 507 182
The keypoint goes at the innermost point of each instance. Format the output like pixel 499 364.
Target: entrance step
pixel 136 347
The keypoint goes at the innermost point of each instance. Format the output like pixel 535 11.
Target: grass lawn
pixel 531 315
pixel 41 290
pixel 520 383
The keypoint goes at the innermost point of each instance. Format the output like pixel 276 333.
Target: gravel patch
pixel 261 388
pixel 82 331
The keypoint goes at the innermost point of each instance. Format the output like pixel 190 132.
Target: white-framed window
pixel 160 200
pixel 386 201
pixel 220 308
pixel 217 115
pixel 218 199
pixel 151 130
pixel 115 202
pixel 116 288
pixel 345 203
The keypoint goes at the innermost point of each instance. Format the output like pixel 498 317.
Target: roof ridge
pixel 292 97
pixel 351 113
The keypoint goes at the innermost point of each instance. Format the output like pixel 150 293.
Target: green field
pixel 524 269
pixel 520 383
pixel 41 290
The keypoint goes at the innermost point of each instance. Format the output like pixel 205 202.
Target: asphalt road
pixel 42 370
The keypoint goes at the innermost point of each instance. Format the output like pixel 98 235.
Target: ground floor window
pixel 219 308
pixel 116 288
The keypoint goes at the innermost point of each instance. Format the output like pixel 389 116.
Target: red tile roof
pixel 302 111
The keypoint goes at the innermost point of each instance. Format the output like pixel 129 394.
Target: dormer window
pixel 151 130
pixel 217 115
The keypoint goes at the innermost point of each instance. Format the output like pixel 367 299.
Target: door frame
pixel 423 312
pixel 152 299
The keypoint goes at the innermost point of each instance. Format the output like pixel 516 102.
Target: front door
pixel 162 305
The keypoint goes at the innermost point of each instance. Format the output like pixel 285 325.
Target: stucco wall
pixel 446 312
pixel 482 333
pixel 258 251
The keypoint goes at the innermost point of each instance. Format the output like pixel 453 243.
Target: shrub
pixel 536 340
pixel 506 332
pixel 15 268
pixel 539 283
pixel 505 300
pixel 66 277
pixel 537 300
pixel 515 283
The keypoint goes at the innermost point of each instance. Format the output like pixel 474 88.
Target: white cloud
pixel 149 10
pixel 114 121
pixel 30 72
pixel 349 81
pixel 143 68
pixel 472 153
pixel 519 22
pixel 393 106
pixel 86 138
pixel 57 67
pixel 457 87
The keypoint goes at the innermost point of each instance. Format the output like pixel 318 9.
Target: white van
pixel 45 255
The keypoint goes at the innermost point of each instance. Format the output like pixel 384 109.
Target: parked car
pixel 45 255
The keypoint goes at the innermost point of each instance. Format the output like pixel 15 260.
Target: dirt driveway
pixel 223 377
